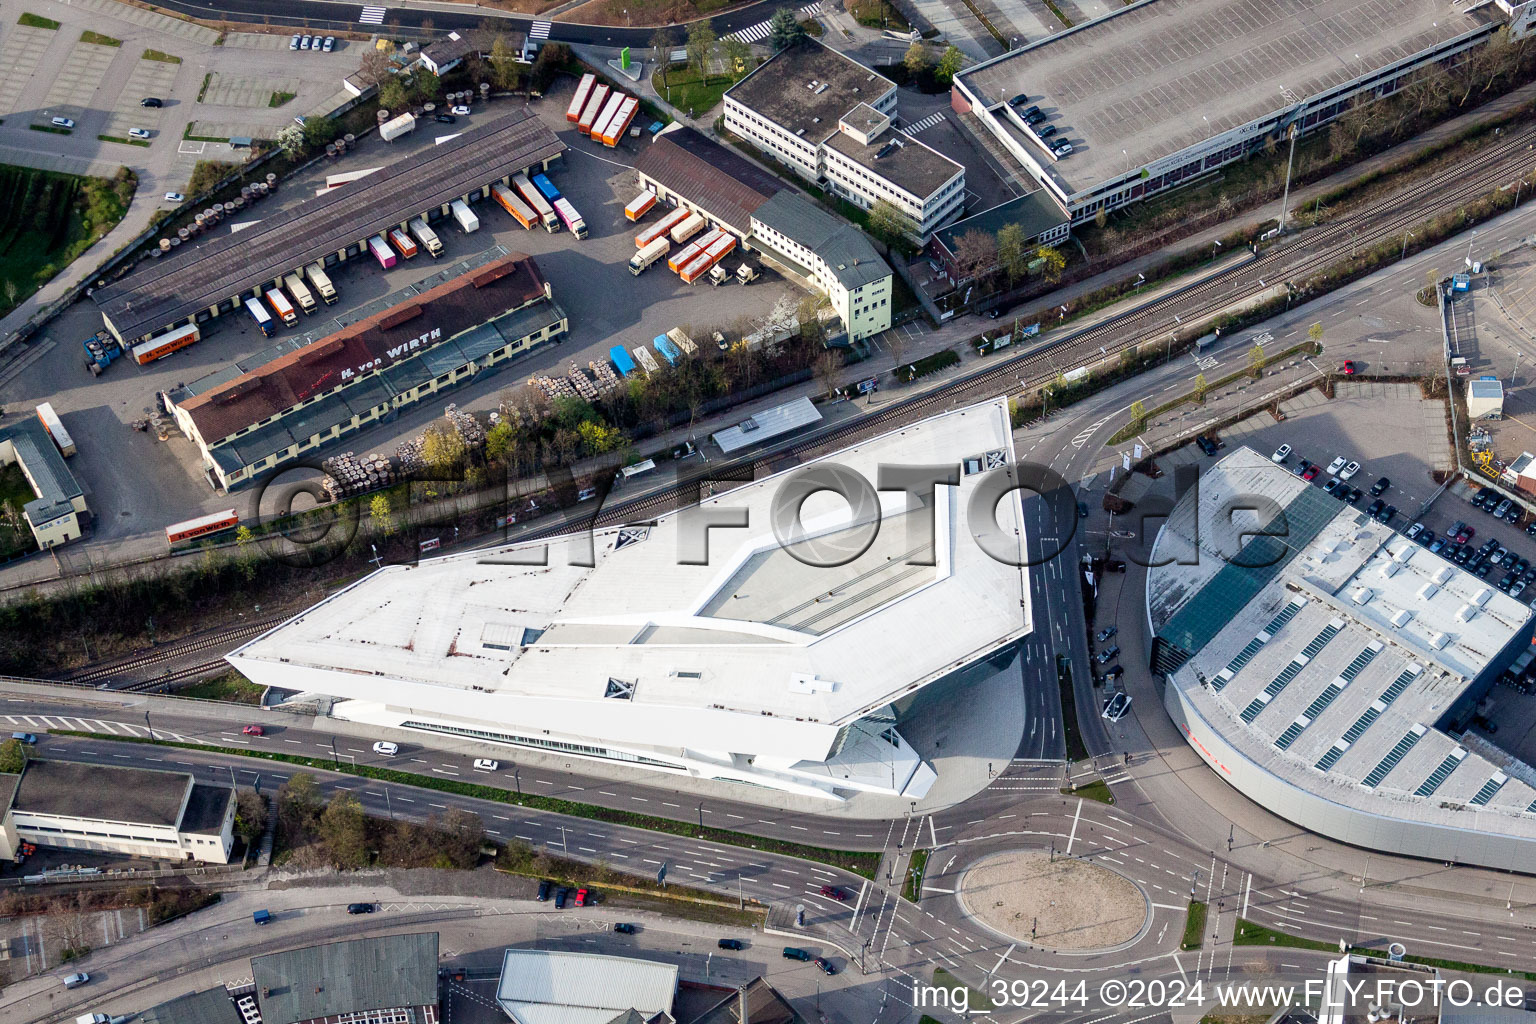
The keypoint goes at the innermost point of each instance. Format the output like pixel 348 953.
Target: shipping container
pixel 594 104
pixel 570 218
pixel 646 360
pixel 546 187
pixel 300 292
pixel 403 243
pixel 259 313
pixel 608 113
pixel 650 254
pixel 687 228
pixel 202 526
pixel 165 344
pixel 465 217
pixel 668 350
pixel 579 101
pixel 613 131
pixel 534 198
pixel 679 337
pixel 680 259
pixel 381 251
pixel 316 275
pixel 640 205
pixel 427 237
pixel 510 201
pixel 393 129
pixel 55 428
pixel 284 309
pixel 670 220
pixel 712 254
pixel 621 360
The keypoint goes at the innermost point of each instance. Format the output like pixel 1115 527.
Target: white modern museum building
pixel 699 643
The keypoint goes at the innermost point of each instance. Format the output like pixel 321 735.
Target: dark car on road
pixel 359 908
pixel 1380 486
pixel 561 895
pixel 625 929
pixel 543 895
pixel 731 944
pixel 835 893
pixel 445 119
pixel 825 965
pixel 791 953
pixel 1109 654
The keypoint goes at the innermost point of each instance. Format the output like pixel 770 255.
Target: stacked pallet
pixel 346 474
pixel 468 427
pixel 604 379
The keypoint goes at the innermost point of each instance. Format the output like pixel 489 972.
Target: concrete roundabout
pixel 1056 902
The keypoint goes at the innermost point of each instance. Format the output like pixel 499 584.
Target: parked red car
pixel 581 897
pixel 1349 368
pixel 254 730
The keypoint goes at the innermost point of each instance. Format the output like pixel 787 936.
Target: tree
pixel 597 439
pixel 661 52
pixel 1201 387
pixel 426 85
pixel 393 95
pixel 1013 251
pixel 443 448
pixel 298 801
pixel 949 64
pixel 250 816
pixel 1138 413
pixel 918 59
pixel 827 365
pixel 551 59
pixel 1315 332
pixel 1052 262
pixel 976 253
pixel 737 52
pixel 1256 360
pixel 783 29
pixel 290 140
pixel 344 831
pixel 8 508
pixel 13 757
pixel 320 130
pixel 506 71
pixel 374 68
pixel 498 441
pixel 701 46
pixel 889 223
pixel 463 833
pixel 379 513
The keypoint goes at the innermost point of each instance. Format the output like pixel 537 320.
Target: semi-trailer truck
pixel 671 219
pixel 687 228
pixel 284 309
pixel 317 276
pixel 392 129
pixel 712 254
pixel 613 131
pixel 427 237
pixel 684 256
pixel 55 428
pixel 546 187
pixel 403 243
pixel 300 292
pixel 381 251
pixel 650 254
pixel 579 101
pixel 606 115
pixel 465 217
pixel 165 344
pixel 569 217
pixel 259 313
pixel 590 111
pixel 640 205
pixel 535 199
pixel 511 202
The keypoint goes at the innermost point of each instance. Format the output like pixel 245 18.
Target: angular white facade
pixel 729 652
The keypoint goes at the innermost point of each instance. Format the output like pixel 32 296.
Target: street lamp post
pixel 1285 198
pixel 147 725
pixel 1406 235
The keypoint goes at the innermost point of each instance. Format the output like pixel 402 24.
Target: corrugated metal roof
pixel 34 448
pixel 210 1007
pixel 843 247
pixel 540 986
pixel 759 427
pixel 708 175
pixel 347 977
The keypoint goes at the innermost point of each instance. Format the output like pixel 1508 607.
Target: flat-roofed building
pixel 829 118
pixel 110 809
pixel 301 394
pixel 210 278
pixel 1327 667
pixel 730 660
pixel 547 986
pixel 54 516
pixel 1163 92
pixel 387 979
pixel 1039 216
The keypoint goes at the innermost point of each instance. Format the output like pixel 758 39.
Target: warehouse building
pixel 211 278
pixel 547 986
pixel 295 397
pixel 797 238
pixel 136 811
pixel 443 55
pixel 1327 667
pixel 828 118
pixel 211 1006
pixel 739 662
pixel 389 979
pixel 1162 93
pixel 1041 218
pixel 54 515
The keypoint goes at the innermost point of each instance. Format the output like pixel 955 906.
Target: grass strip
pixel 97 38
pixel 1076 751
pixel 164 58
pixel 860 863
pixel 37 21
pixel 1194 926
pixel 1251 934
pixel 279 98
pixel 1098 790
pixel 912 888
pixel 52 129
pixel 204 90
pixel 126 142
pixel 1058 12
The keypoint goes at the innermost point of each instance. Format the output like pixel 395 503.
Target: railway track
pixel 172 652
pixel 1377 221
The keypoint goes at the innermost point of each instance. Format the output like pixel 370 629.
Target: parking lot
pixel 136 484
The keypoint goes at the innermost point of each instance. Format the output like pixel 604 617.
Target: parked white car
pixel 63 122
pixel 1336 465
pixel 460 110
pixel 1282 453
pixel 138 133
pixel 76 980
pixel 485 764
pixel 386 748
pixel 175 197
pixel 1349 471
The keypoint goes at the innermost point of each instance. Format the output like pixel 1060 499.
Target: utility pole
pixel 1285 198
pixel 335 759
pixel 147 725
pixel 1231 831
pixel 1406 235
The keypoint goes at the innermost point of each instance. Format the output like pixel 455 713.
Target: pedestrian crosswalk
pixel 762 30
pixel 911 130
pixel 373 15
pixel 539 30
pixel 60 722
